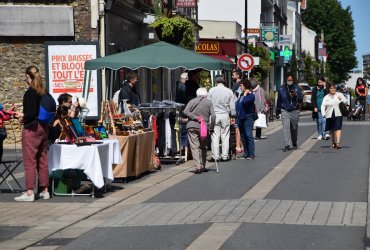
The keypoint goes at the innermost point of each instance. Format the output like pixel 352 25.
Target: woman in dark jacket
pixel 245 111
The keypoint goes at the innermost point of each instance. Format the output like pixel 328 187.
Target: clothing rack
pixel 167 107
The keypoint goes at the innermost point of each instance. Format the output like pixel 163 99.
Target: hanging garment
pixel 168 135
pixel 177 129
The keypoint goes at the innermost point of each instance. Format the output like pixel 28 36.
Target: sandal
pixel 338 145
pixel 334 145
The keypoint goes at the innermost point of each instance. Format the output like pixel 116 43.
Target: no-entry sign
pixel 246 62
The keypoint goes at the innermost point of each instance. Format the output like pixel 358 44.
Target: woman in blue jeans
pixel 245 110
pixel 318 94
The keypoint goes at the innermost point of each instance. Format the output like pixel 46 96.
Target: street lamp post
pixel 246 27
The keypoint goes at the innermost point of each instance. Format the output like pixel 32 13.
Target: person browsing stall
pixel 199 108
pixel 245 113
pixel 260 103
pixel 34 138
pixel 236 76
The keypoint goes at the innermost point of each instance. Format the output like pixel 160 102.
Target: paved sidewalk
pixel 40 220
pixel 43 222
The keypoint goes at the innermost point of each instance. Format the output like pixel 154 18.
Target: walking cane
pixel 217 171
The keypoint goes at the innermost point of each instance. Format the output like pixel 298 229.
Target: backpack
pixel 47 109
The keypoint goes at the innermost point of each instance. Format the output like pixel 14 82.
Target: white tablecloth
pixel 114 151
pixel 95 160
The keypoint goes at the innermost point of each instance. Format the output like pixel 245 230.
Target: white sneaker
pixel 319 137
pixel 327 137
pixel 44 195
pixel 25 197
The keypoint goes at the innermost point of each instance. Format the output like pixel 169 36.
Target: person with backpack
pixel 34 138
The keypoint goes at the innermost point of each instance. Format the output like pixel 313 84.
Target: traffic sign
pixel 246 62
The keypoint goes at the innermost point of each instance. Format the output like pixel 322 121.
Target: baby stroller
pixel 358 111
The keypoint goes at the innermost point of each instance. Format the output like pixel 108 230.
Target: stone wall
pixel 17 53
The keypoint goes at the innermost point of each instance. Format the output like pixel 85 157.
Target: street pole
pixel 102 45
pixel 246 27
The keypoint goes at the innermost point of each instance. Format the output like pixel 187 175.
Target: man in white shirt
pixel 223 101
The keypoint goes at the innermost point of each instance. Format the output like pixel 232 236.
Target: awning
pixel 158 55
pixel 222 57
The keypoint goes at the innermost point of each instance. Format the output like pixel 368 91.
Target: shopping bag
pixel 261 121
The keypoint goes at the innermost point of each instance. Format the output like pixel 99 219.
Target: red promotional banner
pixel 186 3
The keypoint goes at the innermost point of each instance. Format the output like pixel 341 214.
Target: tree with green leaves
pixel 262 70
pixel 310 67
pixel 337 24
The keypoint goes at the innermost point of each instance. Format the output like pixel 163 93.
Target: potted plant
pixel 176 30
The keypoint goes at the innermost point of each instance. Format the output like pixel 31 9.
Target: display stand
pixel 156 108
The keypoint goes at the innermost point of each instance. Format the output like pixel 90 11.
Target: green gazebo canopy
pixel 157 55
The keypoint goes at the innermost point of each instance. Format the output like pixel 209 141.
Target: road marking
pixel 267 184
pixel 214 237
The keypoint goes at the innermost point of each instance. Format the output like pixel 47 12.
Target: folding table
pixel 7 170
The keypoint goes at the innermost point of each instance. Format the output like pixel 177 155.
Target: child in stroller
pixel 358 111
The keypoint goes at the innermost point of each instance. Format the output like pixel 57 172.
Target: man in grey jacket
pixel 224 105
pixel 199 107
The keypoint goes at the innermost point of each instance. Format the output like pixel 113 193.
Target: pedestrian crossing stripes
pixel 323 213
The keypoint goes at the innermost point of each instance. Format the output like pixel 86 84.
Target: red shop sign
pixel 186 3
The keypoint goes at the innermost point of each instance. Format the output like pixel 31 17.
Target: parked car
pixel 307 93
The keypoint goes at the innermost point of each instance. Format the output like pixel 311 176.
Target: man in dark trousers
pixel 129 91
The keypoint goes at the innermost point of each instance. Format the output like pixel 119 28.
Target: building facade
pixel 366 65
pixel 308 41
pixel 25 26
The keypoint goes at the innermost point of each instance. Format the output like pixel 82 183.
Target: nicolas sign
pixel 208 47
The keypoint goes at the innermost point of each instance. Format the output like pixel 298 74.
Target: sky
pixel 233 10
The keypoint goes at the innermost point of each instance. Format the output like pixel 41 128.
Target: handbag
pixel 261 121
pixel 343 109
pixel 3 133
